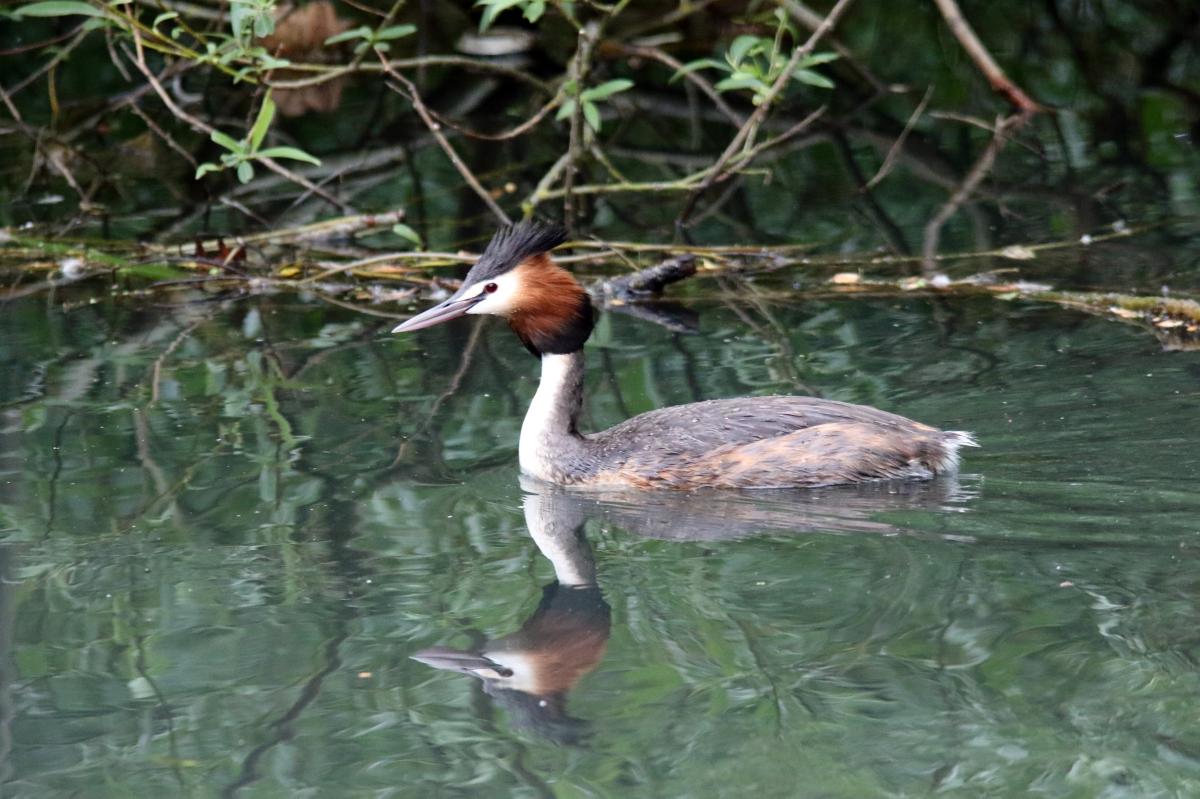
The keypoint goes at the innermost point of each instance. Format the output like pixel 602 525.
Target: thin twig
pixel 327 72
pixel 933 229
pixel 511 133
pixel 889 161
pixel 812 20
pixel 576 75
pixel 156 372
pixel 688 182
pixel 436 129
pixel 983 59
pixel 693 77
pixel 748 130
pixel 162 134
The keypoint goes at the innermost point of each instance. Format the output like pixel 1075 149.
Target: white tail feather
pixel 952 440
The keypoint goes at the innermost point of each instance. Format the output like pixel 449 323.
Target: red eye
pixel 490 288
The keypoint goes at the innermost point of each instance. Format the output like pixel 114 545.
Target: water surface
pixel 227 528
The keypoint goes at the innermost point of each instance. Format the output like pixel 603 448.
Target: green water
pixel 215 573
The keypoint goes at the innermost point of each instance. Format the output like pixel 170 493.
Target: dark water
pixel 216 571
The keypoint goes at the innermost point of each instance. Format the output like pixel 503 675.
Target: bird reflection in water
pixel 530 672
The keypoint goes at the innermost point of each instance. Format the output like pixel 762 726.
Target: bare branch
pixel 983 59
pixel 933 229
pixel 436 129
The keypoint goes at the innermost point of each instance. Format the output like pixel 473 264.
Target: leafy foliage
pixel 371 38
pixel 532 10
pixel 240 155
pixel 756 62
pixel 588 99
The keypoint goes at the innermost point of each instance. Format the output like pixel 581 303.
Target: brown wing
pixel 824 454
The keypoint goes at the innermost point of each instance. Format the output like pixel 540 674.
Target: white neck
pixel 549 440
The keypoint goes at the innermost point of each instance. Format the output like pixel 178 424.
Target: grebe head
pixel 515 278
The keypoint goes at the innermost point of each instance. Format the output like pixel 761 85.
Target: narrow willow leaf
pixel 819 58
pixel 262 122
pixel 293 153
pixel 59 8
pixel 245 172
pixel 606 89
pixel 396 32
pixel 740 80
pixel 226 141
pixel 743 46
pixel 565 110
pixel 357 33
pixel 699 63
pixel 534 10
pixel 405 232
pixel 812 78
pixel 264 25
pixel 492 9
pixel 592 114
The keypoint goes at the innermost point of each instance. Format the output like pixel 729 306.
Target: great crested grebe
pixel 748 442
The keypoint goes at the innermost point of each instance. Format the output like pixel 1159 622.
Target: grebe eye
pixel 490 288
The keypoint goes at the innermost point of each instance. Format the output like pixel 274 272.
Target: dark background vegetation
pixel 1117 143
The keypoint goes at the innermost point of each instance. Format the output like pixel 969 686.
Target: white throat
pixel 546 433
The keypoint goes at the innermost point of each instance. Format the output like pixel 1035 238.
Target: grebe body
pixel 749 442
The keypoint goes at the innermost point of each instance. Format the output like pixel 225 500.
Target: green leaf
pixel 395 32
pixel 245 172
pixel 227 142
pixel 565 110
pixel 740 80
pixel 240 18
pixel 357 33
pixel 59 8
pixel 492 9
pixel 161 18
pixel 818 58
pixel 262 122
pixel 606 90
pixel 293 153
pixel 264 25
pixel 812 78
pixel 405 232
pixel 699 63
pixel 204 169
pixel 534 10
pixel 743 46
pixel 592 115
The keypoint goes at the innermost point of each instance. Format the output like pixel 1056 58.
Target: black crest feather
pixel 511 245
